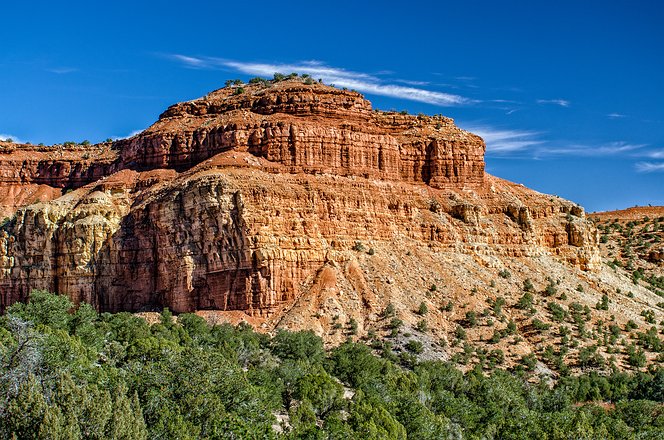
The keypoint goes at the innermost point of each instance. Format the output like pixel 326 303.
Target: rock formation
pixel 250 199
pixel 311 129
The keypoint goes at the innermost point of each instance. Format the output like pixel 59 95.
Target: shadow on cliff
pixel 186 250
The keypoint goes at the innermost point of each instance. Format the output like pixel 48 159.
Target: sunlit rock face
pixel 256 201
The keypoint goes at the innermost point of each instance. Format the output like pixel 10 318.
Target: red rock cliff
pixel 313 129
pixel 238 201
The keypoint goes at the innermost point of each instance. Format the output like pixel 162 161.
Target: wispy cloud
pixel 193 62
pixel 412 83
pixel 509 141
pixel 4 137
pixel 650 167
pixel 606 149
pixel 504 141
pixel 560 102
pixel 132 134
pixel 363 82
pixel 62 70
pixel 616 116
pixel 655 154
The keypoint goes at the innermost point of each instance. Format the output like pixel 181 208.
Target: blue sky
pixel 567 94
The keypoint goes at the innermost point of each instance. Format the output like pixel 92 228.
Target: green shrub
pixel 496 357
pixel 528 285
pixel 529 361
pixel 352 326
pixel 636 357
pixel 471 318
pixel 497 306
pixel 648 315
pixel 395 323
pixel 45 309
pixel 511 328
pixel 588 357
pixel 650 341
pixel 414 346
pixel 496 337
pixel 526 301
pixel 551 288
pixel 539 325
pixel 558 313
pixel 460 333
pixel 603 304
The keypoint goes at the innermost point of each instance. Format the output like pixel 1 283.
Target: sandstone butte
pixel 291 205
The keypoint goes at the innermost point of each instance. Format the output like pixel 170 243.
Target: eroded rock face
pixel 312 129
pixel 39 173
pixel 247 202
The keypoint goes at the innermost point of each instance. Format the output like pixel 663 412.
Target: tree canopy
pixel 69 372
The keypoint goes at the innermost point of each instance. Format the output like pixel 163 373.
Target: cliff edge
pixel 287 204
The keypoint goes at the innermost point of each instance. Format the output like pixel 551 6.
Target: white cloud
pixel 4 136
pixel 190 61
pixel 340 77
pixel 560 102
pixel 62 70
pixel 503 141
pixel 412 83
pixel 650 167
pixel 657 154
pixel 608 149
pixel 132 134
pixel 616 116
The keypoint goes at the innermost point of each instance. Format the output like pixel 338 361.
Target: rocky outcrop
pixel 307 128
pixel 31 173
pixel 245 201
pixel 312 129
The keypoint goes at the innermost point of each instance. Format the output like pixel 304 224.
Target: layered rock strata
pixel 312 129
pixel 240 201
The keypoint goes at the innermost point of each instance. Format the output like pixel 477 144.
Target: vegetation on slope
pixel 636 246
pixel 68 372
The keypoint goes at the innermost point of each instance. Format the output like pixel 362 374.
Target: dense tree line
pixel 68 372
